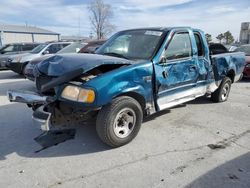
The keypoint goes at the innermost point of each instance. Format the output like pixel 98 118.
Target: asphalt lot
pixel 201 144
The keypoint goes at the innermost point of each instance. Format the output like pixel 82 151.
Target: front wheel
pixel 119 122
pixel 222 93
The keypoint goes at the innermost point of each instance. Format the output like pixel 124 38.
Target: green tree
pixel 229 37
pixel 208 37
pixel 220 37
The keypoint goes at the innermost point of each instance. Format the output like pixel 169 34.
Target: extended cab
pixel 134 74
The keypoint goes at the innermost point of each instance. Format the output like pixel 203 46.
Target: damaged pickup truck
pixel 136 73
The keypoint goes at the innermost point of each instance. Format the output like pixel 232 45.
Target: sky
pixel 71 17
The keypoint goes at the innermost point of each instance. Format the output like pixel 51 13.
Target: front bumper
pixel 28 72
pixel 16 67
pixel 3 63
pixel 40 117
pixel 26 97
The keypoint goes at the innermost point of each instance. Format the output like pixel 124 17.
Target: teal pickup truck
pixel 136 73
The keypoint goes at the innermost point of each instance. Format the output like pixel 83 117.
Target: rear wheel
pixel 119 122
pixel 222 93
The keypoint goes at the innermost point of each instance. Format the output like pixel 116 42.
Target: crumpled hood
pixel 58 65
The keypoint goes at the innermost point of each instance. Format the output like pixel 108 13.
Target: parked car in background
pixel 92 46
pixel 246 50
pixel 16 48
pixel 136 73
pixel 217 48
pixel 72 48
pixel 18 62
pixel 85 47
pixel 232 48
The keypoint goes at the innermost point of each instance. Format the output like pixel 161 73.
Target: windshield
pixel 245 49
pixel 134 44
pixel 72 48
pixel 38 49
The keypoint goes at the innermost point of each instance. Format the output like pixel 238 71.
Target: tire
pixel 119 122
pixel 23 68
pixel 222 93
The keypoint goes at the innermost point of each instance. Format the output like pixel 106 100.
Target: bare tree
pixel 100 15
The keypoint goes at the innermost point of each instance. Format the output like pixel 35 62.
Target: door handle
pixel 165 74
pixel 192 68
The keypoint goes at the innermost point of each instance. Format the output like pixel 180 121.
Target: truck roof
pixel 164 29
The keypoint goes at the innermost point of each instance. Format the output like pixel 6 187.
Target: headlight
pixel 248 65
pixel 75 93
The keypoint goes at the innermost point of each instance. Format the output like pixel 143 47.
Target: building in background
pixel 245 33
pixel 17 33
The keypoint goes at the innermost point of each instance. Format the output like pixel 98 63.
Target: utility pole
pixel 79 25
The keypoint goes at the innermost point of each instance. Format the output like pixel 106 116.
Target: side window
pixel 54 48
pixel 199 44
pixel 27 47
pixel 17 48
pixel 179 47
pixel 64 45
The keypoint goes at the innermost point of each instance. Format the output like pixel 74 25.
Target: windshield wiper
pixel 115 54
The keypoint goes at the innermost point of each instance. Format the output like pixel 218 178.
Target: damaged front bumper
pixel 26 97
pixel 41 117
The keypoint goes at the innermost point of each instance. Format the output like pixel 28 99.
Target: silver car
pixel 18 62
pixel 12 49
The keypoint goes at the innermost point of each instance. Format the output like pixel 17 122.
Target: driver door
pixel 177 73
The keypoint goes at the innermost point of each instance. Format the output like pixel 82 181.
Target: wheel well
pixel 137 97
pixel 231 75
pixel 24 64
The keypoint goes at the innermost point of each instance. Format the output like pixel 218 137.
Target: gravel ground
pixel 200 144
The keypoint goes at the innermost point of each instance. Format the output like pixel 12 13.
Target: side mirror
pixel 77 50
pixel 163 60
pixel 45 52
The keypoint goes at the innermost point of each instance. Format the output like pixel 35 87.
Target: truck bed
pixel 231 63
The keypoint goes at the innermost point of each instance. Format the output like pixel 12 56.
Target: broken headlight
pixel 75 93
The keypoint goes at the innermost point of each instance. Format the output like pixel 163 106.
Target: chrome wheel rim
pixel 124 122
pixel 225 92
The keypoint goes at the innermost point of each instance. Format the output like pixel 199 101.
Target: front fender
pixel 135 78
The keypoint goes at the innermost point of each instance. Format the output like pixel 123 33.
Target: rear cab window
pixel 199 44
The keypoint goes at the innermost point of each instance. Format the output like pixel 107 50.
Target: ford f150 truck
pixel 136 73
